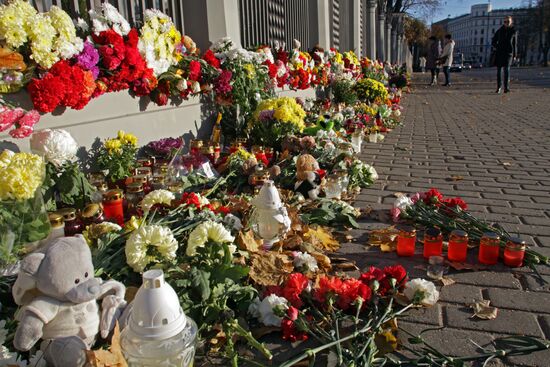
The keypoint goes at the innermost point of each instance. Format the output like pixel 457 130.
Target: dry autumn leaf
pixel 246 241
pixel 483 311
pixel 108 358
pixel 321 238
pixel 464 266
pixel 455 178
pixel 385 238
pixel 270 268
pixel 446 281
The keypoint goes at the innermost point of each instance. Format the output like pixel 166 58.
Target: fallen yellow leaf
pixel 108 358
pixel 321 238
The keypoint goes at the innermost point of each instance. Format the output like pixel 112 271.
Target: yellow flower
pixel 22 175
pixel 113 146
pixel 95 231
pixel 127 139
pixel 250 70
pixel 208 231
pixel 242 154
pixel 150 244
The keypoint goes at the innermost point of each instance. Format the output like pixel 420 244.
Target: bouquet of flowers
pixel 21 121
pixel 48 37
pixel 300 66
pixel 373 69
pixel 159 42
pixel 117 156
pixel 23 217
pixel 371 90
pixel 274 119
pixel 164 148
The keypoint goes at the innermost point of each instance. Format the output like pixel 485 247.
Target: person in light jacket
pixel 434 52
pixel 447 59
pixel 505 48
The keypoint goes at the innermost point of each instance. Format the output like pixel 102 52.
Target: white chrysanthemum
pixel 8 358
pixel 146 243
pixel 81 24
pixel 421 291
pixel 223 44
pixel 338 117
pixel 402 203
pixel 208 231
pixel 57 146
pixel 305 260
pixel 164 197
pixel 109 18
pixel 267 308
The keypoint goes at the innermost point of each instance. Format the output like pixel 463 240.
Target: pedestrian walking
pixel 434 52
pixel 447 59
pixel 422 61
pixel 504 49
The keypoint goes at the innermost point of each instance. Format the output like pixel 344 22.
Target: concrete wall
pixel 104 116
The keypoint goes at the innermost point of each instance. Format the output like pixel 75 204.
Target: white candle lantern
pixel 357 140
pixel 333 187
pixel 158 332
pixel 269 219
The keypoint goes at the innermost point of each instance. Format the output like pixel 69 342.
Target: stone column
pixel 356 29
pixel 388 41
pixel 223 20
pixel 323 22
pixel 381 31
pixel 394 45
pixel 371 29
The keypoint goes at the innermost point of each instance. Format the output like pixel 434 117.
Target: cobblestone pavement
pixel 500 146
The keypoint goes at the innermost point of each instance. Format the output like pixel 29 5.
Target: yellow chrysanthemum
pixel 22 175
pixel 113 146
pixel 150 244
pixel 127 138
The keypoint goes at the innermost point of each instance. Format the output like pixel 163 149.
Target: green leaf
pixel 200 281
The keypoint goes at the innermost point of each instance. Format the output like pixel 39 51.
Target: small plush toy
pixel 58 295
pixel 323 123
pixel 308 176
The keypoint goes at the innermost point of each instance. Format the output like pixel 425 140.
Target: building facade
pixel 473 32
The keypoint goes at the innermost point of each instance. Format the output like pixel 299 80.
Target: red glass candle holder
pixel 406 240
pixel 433 242
pixel 489 248
pixel 196 146
pixel 458 246
pixel 73 225
pixel 113 206
pixel 514 252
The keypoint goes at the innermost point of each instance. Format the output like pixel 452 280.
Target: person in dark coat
pixel 434 53
pixel 505 48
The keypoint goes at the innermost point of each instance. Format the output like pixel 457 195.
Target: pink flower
pixel 30 119
pixel 10 116
pixel 22 132
pixel 416 197
pixel 395 213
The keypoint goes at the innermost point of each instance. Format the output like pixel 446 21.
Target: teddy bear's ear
pixel 25 283
pixel 31 263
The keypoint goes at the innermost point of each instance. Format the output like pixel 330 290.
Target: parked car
pixel 456 68
pixel 477 65
pixel 467 66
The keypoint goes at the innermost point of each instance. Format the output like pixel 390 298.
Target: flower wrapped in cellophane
pixel 275 119
pixel 158 42
pixel 23 217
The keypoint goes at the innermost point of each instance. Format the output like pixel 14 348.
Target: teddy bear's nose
pixel 94 289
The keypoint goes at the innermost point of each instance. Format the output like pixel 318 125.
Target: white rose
pixel 57 146
pixel 267 309
pixel 421 292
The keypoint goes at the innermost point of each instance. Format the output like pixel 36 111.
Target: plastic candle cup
pixel 458 246
pixel 433 242
pixel 514 252
pixel 489 248
pixel 406 240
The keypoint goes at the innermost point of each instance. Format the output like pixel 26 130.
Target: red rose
pixel 194 70
pixel 211 59
pixel 295 285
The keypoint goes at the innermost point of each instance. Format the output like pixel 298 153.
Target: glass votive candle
pixel 458 246
pixel 196 146
pixel 489 247
pixel 514 252
pixel 433 242
pixel 113 208
pixel 436 267
pixel 406 240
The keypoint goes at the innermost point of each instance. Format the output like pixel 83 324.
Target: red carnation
pixel 194 70
pixel 327 286
pixel 398 273
pixel 373 274
pixel 295 285
pixel 433 196
pixel 351 290
pixel 454 202
pixel 211 59
pixel 291 332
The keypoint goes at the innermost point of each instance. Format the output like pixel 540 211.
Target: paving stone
pixel 487 279
pixel 519 300
pixel 459 293
pixel 507 321
pixel 426 315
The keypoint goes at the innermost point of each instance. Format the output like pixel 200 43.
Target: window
pixel 481 49
pixel 494 22
pixel 475 32
pixel 482 31
pixel 481 41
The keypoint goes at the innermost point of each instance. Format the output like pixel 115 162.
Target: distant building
pixel 474 32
